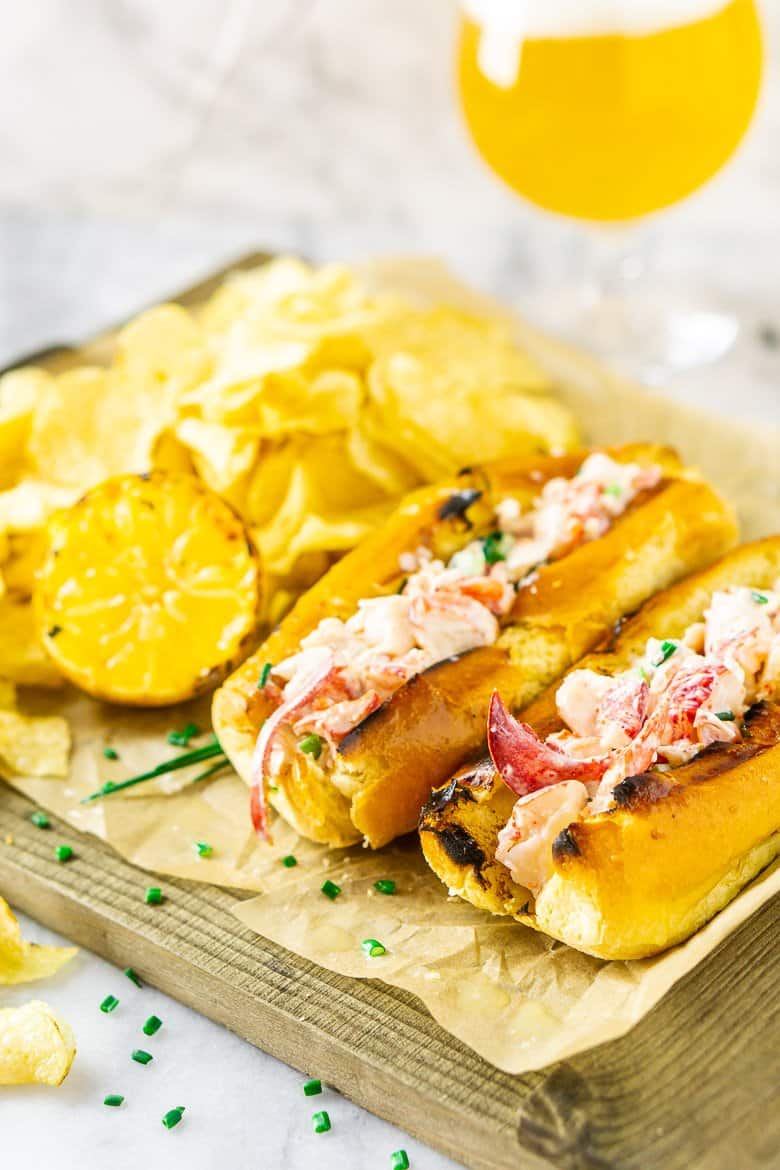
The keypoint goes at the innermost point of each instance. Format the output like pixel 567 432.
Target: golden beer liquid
pixel 610 127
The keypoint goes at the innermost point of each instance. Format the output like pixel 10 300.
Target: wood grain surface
pixel 695 1086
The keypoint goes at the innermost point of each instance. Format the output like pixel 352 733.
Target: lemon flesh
pixel 150 591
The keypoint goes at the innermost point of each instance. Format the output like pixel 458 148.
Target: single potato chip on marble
pixel 36 1045
pixel 24 962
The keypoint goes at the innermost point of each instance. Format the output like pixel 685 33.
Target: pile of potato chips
pixel 36 1045
pixel 308 403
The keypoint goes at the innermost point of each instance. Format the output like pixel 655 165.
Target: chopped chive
pixel 321 1122
pixel 289 861
pixel 372 948
pixel 141 1057
pixel 109 1003
pixel 725 716
pixel 759 598
pixel 492 548
pixel 330 889
pixel 110 753
pixel 643 673
pixel 312 1088
pixel 399 1160
pixel 385 886
pixel 196 756
pixel 113 1099
pixel 203 849
pixel 63 853
pixel 264 673
pixel 311 745
pixel 173 1117
pixel 153 896
pixel 133 977
pixel 667 650
pixel 613 489
pixel 40 820
pixel 182 737
pixel 152 1025
pixel 53 631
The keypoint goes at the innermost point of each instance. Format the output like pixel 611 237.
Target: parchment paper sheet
pixel 517 998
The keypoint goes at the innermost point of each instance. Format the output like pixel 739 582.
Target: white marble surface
pixel 142 144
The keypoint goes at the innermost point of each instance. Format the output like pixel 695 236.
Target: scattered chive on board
pixel 140 1056
pixel 173 1117
pixel 289 861
pixel 110 753
pixel 63 853
pixel 321 1122
pixel 109 1003
pixel 40 820
pixel 373 948
pixel 312 1088
pixel 330 889
pixel 264 673
pixel 113 1099
pixel 153 896
pixel 131 975
pixel 152 1025
pixel 385 886
pixel 209 750
pixel 182 737
pixel 203 849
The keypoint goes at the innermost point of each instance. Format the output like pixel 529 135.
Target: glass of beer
pixel 606 111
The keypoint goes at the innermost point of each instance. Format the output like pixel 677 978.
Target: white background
pixel 142 143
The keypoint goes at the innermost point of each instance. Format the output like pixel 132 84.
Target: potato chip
pixel 36 1045
pixel 33 745
pixel 19 393
pixel 23 659
pixel 165 347
pixel 7 695
pixel 24 962
pixel 222 458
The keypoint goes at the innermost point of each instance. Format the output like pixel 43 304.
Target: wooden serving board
pixel 695 1086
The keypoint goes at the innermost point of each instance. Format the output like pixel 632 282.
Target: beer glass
pixel 606 111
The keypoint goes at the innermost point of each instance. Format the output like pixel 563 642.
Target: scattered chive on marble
pixel 399 1160
pixel 140 1056
pixel 312 1088
pixel 152 1025
pixel 133 977
pixel 109 1003
pixel 113 1099
pixel 321 1122
pixel 173 1117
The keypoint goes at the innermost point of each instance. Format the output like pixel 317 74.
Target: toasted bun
pixel 677 846
pixel 386 767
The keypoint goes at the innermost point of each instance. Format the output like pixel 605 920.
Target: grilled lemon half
pixel 151 590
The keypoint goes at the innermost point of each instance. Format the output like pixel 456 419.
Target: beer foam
pixel 505 24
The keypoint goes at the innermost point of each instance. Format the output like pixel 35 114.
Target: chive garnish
pixel 153 896
pixel 321 1122
pixel 311 745
pixel 759 598
pixel 491 548
pixel 141 1057
pixel 133 977
pixel 312 1088
pixel 203 849
pixel 643 673
pixel 264 673
pixel 63 853
pixel 330 889
pixel 113 1099
pixel 152 1025
pixel 385 886
pixel 182 738
pixel 667 650
pixel 725 716
pixel 109 1003
pixel 372 948
pixel 53 631
pixel 40 820
pixel 173 1117
pixel 196 756
pixel 399 1160
pixel 289 861
pixel 613 489
pixel 110 753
